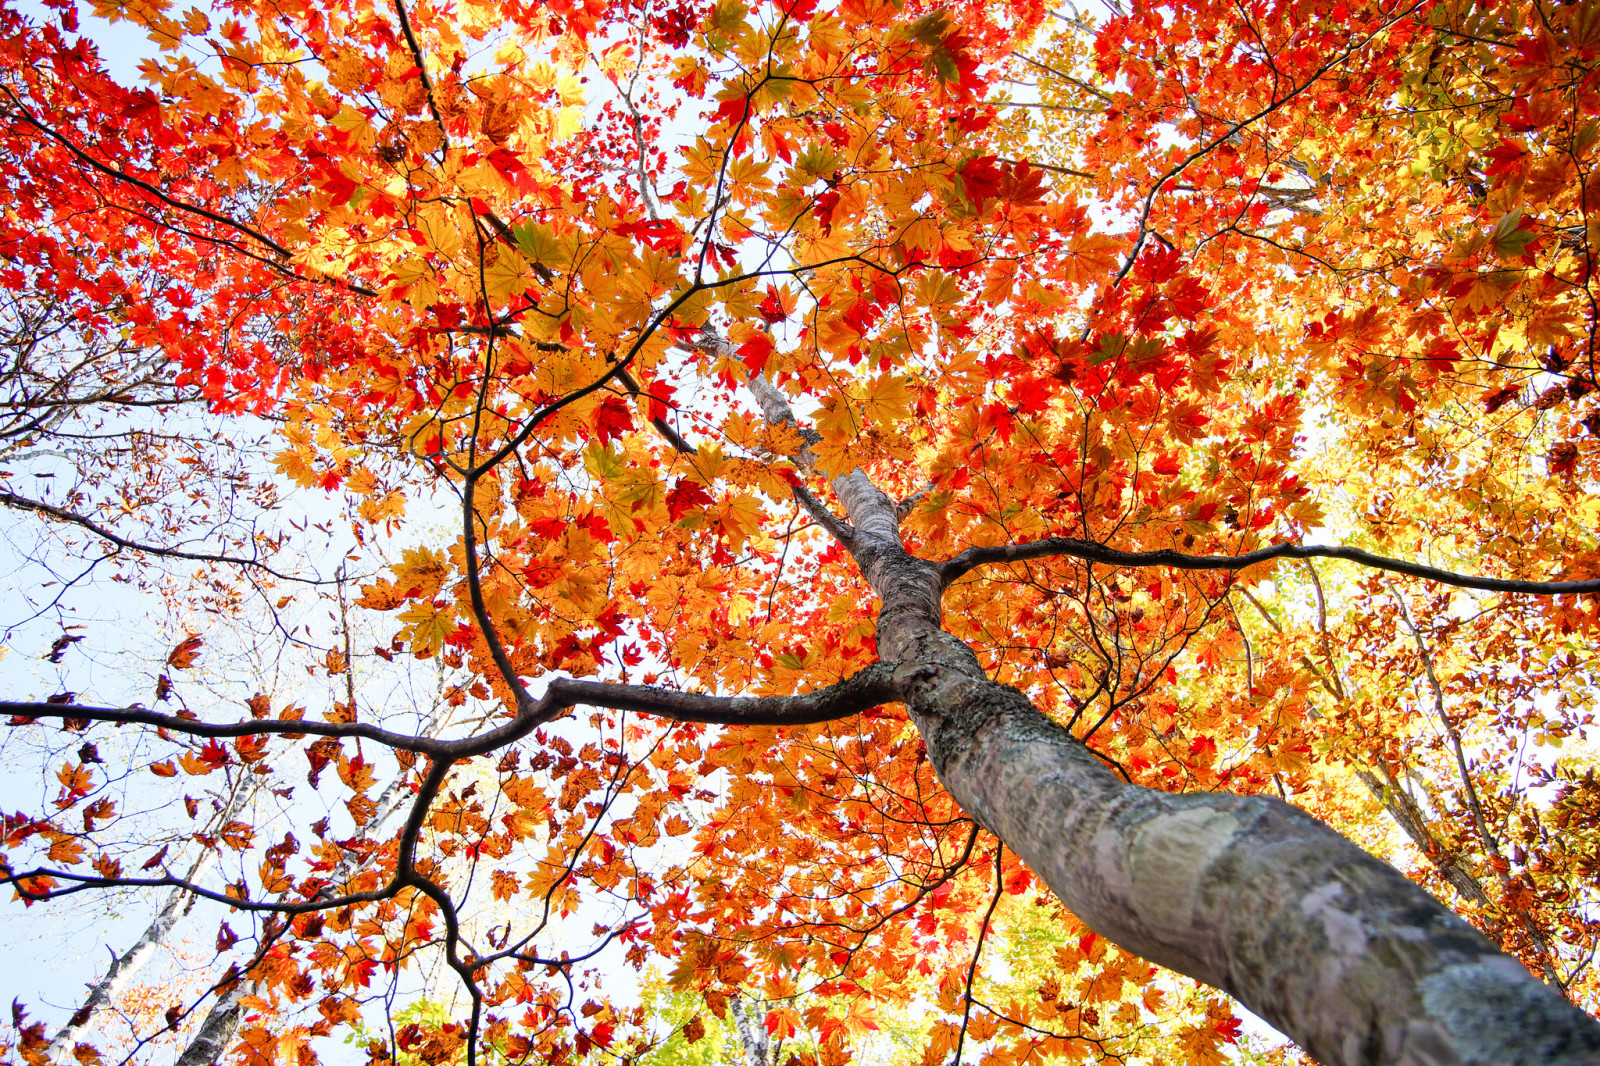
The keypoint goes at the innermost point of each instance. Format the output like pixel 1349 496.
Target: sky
pixel 62 938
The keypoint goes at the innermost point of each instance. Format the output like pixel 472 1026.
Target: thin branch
pixel 903 509
pixel 1322 630
pixel 977 951
pixel 422 69
pixel 1053 72
pixel 1450 730
pixel 22 503
pixel 836 526
pixel 671 435
pixel 112 172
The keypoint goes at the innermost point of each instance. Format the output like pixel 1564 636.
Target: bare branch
pixel 22 503
pixel 839 528
pixel 672 436
pixel 422 69
pixel 903 509
pixel 869 687
pixel 1100 553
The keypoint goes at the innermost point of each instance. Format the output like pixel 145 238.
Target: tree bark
pixel 1248 894
pixel 755 1043
pixel 221 1022
pixel 123 967
pixel 216 1032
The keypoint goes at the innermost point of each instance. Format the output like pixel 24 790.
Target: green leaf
pixel 1506 240
pixel 1111 346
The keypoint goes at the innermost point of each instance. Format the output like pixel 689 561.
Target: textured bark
pixel 1403 809
pixel 1250 895
pixel 217 1030
pixel 221 1022
pixel 121 972
pixel 756 1046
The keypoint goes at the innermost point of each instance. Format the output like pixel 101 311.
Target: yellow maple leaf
pixel 428 626
pixel 888 399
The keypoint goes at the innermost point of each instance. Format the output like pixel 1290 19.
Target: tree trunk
pixel 123 967
pixel 222 1020
pixel 216 1032
pixel 755 1043
pixel 1250 895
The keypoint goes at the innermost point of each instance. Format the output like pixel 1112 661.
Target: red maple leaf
pixel 685 496
pixel 612 419
pixel 661 234
pixel 981 179
pixel 1030 395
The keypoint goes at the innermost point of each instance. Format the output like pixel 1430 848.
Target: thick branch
pixel 222 1020
pixel 672 436
pixel 422 69
pixel 868 688
pixel 839 530
pixel 874 685
pixel 870 510
pixel 1403 809
pixel 220 1023
pixel 775 406
pixel 1254 897
pixel 903 509
pixel 1100 553
pixel 1475 804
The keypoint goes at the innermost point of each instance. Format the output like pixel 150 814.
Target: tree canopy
pixel 902 524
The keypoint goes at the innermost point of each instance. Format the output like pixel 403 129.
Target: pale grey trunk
pixel 123 967
pixel 1248 894
pixel 1403 809
pixel 756 1047
pixel 222 1020
pixel 216 1032
pixel 121 972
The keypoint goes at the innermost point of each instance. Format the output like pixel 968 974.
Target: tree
pixel 904 478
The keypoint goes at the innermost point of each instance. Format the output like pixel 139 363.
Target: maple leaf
pixel 1045 427
pixel 888 400
pixel 612 419
pixel 1167 464
pixel 183 656
pixel 510 167
pixel 1030 395
pixel 662 235
pixel 1022 184
pixel 686 495
pixel 980 179
pixel 777 305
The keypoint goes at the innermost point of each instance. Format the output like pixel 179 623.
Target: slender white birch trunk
pixel 756 1047
pixel 221 1022
pixel 124 967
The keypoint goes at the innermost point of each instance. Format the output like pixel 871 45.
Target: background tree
pixel 868 504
